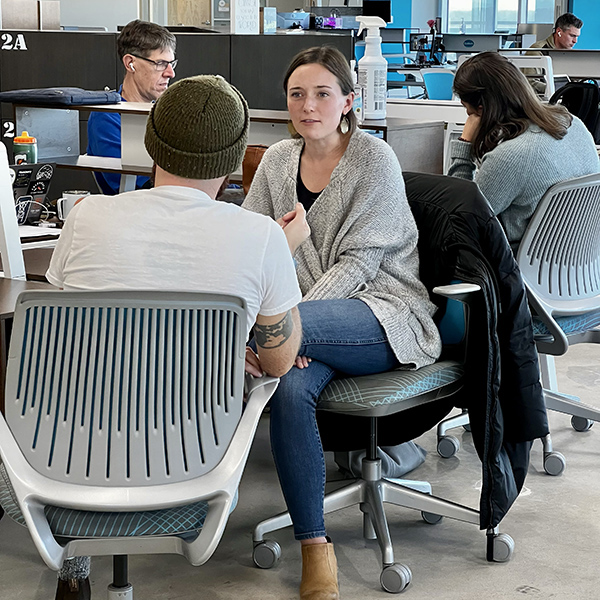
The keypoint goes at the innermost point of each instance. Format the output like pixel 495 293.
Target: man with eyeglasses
pixel 147 52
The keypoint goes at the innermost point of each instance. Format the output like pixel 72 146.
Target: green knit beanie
pixel 198 128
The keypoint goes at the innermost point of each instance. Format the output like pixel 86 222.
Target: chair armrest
pixel 559 343
pixel 457 291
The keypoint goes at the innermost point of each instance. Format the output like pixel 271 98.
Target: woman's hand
pixel 295 227
pixel 472 124
pixel 302 362
pixel 252 365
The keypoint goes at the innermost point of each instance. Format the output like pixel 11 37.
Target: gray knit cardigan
pixel 363 241
pixel 517 173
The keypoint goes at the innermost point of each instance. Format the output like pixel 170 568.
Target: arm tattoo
pixel 276 334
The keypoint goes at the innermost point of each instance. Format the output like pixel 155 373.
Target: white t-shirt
pixel 178 239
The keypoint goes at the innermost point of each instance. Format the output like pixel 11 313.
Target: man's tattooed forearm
pixel 276 334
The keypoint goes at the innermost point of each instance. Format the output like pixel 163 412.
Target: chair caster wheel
pixel 395 578
pixel 448 446
pixel 500 547
pixel 554 463
pixel 581 424
pixel 431 518
pixel 266 554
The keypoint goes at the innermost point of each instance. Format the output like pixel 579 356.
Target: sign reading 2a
pixel 12 41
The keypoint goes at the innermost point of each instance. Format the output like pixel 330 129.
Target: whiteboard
pixel 245 16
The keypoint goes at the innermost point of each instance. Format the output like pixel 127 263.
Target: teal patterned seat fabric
pixel 355 394
pixel 570 324
pixel 84 524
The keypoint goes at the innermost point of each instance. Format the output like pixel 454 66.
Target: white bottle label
pixel 374 84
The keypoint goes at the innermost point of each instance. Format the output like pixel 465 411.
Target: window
pixel 540 11
pixel 489 16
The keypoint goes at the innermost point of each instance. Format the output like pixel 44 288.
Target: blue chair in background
pixel 438 83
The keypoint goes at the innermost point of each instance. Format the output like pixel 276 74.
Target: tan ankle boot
pixel 319 573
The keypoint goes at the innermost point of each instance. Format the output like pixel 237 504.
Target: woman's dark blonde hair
pixel 335 62
pixel 508 102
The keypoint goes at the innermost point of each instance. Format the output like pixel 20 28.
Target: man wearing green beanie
pixel 177 236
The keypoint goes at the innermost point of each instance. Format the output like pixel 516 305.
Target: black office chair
pixel 407 403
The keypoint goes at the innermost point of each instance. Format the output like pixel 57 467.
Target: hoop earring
pixel 291 129
pixel 344 125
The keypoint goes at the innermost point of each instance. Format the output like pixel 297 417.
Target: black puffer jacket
pixel 461 239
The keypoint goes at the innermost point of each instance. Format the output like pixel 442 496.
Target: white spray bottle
pixel 372 69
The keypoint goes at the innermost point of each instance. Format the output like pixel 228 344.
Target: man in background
pixel 147 52
pixel 565 35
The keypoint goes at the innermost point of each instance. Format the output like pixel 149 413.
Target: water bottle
pixel 25 149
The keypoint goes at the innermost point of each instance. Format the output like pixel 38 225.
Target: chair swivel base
pixel 449 445
pixel 370 492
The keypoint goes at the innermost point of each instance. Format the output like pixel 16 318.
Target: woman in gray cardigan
pixel 512 145
pixel 364 309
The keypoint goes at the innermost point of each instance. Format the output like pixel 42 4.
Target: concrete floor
pixel 555 524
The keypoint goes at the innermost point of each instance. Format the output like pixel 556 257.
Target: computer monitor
pixel 481 42
pixel 378 8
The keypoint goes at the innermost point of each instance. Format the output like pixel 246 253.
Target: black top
pixel 305 196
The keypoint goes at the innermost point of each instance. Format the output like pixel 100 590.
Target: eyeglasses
pixel 159 65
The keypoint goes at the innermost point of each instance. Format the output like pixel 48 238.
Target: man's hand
pixel 253 363
pixel 295 227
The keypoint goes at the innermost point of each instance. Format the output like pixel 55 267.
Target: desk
pixel 9 291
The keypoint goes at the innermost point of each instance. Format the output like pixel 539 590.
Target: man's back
pixel 175 238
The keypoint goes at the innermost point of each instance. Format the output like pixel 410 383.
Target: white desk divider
pixel 10 242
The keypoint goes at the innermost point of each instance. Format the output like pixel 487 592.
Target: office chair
pixel 438 83
pixel 530 65
pixel 413 399
pixel 559 258
pixel 124 431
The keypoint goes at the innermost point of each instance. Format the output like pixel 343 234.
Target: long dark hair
pixel 335 62
pixel 508 102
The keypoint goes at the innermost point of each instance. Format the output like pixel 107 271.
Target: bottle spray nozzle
pixel 370 24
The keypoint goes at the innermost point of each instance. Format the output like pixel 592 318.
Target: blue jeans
pixel 342 337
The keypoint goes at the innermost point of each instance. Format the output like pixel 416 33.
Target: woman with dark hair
pixel 364 309
pixel 512 145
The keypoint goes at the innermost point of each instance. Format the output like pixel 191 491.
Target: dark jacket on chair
pixel 461 239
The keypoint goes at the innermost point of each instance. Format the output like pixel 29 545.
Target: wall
pixel 422 11
pixel 108 13
pixel 587 11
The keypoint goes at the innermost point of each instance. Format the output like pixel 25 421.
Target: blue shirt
pixel 104 139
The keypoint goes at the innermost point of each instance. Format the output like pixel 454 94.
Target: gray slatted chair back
pixel 125 388
pixel 559 255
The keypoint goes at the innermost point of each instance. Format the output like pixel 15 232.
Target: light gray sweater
pixel 363 241
pixel 516 174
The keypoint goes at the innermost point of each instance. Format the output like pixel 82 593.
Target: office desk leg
pixel 127 183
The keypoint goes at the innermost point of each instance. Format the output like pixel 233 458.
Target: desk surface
pixel 10 290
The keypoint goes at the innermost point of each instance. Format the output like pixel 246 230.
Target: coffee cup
pixel 65 204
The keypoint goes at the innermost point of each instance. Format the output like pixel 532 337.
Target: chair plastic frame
pixel 218 487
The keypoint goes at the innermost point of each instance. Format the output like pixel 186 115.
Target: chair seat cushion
pixel 570 324
pixel 391 391
pixel 86 524
pixel 83 524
